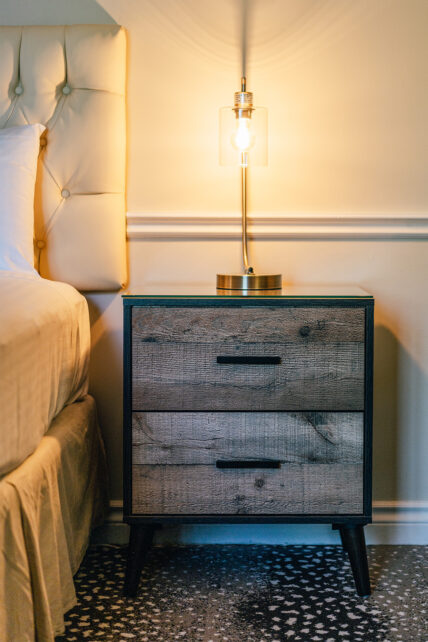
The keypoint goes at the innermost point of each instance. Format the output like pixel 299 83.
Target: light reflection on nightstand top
pixel 154 290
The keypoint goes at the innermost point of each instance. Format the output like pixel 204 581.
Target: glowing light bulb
pixel 243 138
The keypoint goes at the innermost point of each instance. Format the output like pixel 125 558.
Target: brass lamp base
pixel 249 281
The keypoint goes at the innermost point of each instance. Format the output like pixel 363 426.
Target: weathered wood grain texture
pixel 202 438
pixel 311 376
pixel 247 325
pixel 293 489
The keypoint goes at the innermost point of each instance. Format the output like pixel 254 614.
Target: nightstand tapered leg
pixel 337 527
pixel 140 540
pixel 342 539
pixel 354 543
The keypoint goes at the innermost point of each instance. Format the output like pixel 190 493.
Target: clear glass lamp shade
pixel 243 137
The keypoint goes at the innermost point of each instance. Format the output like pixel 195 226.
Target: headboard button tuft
pixel 19 90
pixel 65 193
pixel 40 244
pixel 66 90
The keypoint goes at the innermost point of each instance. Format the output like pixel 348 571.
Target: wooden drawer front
pixel 294 489
pixel 247 325
pixel 175 359
pixel 202 438
pixel 175 455
pixel 188 377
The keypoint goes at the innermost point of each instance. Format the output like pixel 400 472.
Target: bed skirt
pixel 48 506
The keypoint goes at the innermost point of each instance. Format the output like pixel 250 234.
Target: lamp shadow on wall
pixel 399 436
pixel 105 376
pixel 385 414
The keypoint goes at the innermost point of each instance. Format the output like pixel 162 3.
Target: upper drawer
pixel 316 358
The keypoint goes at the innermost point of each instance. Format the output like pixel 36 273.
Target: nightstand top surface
pixel 208 290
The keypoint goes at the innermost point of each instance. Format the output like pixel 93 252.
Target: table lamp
pixel 243 142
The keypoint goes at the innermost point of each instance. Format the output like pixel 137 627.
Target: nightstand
pixel 248 409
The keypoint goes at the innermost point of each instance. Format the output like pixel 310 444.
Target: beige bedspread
pixel 44 352
pixel 47 507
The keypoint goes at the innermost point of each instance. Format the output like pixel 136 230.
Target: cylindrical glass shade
pixel 243 139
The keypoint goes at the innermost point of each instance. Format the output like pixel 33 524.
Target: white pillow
pixel 19 149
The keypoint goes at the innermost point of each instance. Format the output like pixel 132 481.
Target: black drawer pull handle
pixel 254 361
pixel 248 463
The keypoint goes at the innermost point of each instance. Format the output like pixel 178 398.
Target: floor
pixel 252 593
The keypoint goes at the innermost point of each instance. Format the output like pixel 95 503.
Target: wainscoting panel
pixel 209 225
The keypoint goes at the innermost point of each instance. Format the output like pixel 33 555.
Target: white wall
pixel 345 86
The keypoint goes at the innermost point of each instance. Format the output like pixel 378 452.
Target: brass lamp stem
pixel 247 268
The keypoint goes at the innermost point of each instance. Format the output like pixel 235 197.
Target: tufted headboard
pixel 72 79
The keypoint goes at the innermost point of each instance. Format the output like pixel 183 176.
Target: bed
pixel 66 85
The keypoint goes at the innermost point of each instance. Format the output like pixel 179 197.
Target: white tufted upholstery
pixel 72 79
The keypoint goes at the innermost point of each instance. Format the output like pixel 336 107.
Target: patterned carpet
pixel 252 594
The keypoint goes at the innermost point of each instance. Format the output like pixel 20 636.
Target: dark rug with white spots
pixel 252 593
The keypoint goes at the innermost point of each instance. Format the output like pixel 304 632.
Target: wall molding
pixel 209 225
pixel 394 522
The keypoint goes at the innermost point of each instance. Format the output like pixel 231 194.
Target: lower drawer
pixel 183 463
pixel 293 489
